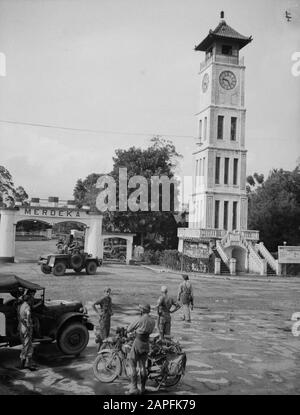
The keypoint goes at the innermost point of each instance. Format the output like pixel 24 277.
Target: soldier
pixel 143 327
pixel 104 310
pixel 186 297
pixel 26 330
pixel 164 305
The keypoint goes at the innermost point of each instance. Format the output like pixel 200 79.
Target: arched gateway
pixel 52 214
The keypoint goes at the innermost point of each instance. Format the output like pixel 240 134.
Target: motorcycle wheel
pixel 107 366
pixel 170 381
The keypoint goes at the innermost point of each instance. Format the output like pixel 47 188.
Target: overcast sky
pixel 128 66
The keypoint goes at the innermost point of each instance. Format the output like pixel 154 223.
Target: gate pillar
pixel 93 241
pixel 7 235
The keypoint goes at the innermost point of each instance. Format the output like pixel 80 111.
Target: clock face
pixel 227 80
pixel 205 82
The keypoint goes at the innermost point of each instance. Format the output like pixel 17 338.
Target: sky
pixel 128 70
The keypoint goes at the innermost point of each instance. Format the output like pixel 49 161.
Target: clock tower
pixel 219 198
pixel 219 206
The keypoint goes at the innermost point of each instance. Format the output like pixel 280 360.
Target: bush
pixel 152 257
pixel 175 260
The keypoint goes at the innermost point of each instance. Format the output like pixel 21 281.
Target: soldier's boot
pixel 29 365
pixel 133 390
pixel 143 384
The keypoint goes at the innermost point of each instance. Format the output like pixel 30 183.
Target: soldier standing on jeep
pixel 105 313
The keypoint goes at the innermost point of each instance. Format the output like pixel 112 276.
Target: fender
pixel 72 316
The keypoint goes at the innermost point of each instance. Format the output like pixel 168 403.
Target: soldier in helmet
pixel 143 327
pixel 164 309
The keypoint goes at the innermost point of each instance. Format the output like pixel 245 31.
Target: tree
pixel 274 208
pixel 8 194
pixel 85 191
pixel 21 195
pixel 153 228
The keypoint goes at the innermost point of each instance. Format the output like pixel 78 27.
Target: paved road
pixel 239 341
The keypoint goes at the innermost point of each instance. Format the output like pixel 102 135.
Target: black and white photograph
pixel 149 200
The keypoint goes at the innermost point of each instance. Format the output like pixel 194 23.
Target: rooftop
pixel 221 32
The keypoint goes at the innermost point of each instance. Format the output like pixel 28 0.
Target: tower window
pixel 209 53
pixel 217 209
pixel 234 215
pixel 220 127
pixel 200 129
pixel 226 50
pixel 226 170
pixel 200 168
pixel 217 172
pixel 235 170
pixel 203 167
pixel 233 128
pixel 205 127
pixel 225 221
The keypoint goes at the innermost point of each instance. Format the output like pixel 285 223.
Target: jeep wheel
pixel 59 269
pixel 76 260
pixel 45 269
pixel 91 267
pixel 73 338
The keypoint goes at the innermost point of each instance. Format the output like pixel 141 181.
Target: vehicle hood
pixel 57 307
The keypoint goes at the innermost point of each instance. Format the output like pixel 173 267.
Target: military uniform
pixel 104 321
pixel 165 304
pixel 186 297
pixel 143 327
pixel 25 330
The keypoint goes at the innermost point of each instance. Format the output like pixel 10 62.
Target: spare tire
pixel 76 261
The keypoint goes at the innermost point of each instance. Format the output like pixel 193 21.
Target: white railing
pixel 232 60
pixel 268 257
pixel 200 233
pixel 222 253
pixel 251 235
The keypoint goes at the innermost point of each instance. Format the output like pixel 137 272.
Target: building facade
pixel 219 203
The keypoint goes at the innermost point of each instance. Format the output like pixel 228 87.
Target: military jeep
pixel 58 263
pixel 63 322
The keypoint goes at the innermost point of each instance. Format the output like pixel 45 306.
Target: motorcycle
pixel 165 364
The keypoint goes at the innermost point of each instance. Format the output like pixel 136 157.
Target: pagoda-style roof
pixel 223 32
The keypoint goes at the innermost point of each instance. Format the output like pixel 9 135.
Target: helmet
pixel 164 289
pixel 145 308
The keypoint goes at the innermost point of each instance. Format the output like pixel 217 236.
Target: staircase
pixel 272 263
pixel 270 271
pixel 224 267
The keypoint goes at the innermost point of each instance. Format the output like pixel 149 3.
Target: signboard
pixel 43 211
pixel 289 254
pixel 196 250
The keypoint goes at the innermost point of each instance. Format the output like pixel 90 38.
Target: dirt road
pixel 239 341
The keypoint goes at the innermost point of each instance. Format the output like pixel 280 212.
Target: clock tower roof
pixel 223 32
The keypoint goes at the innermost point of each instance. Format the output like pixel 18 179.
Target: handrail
pixel 222 253
pixel 252 252
pixel 268 256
